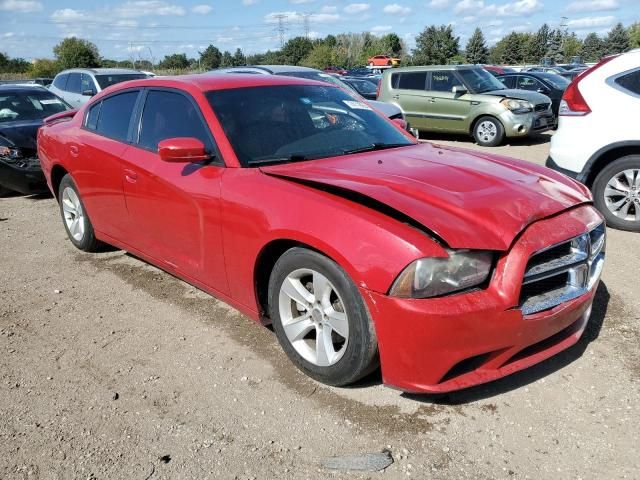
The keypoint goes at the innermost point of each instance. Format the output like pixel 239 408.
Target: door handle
pixel 130 175
pixel 431 100
pixel 73 150
pixel 396 97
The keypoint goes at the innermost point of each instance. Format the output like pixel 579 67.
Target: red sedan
pixel 302 207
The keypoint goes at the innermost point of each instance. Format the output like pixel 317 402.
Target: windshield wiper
pixel 296 157
pixel 375 146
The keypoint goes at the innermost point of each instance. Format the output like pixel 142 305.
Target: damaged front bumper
pixel 22 174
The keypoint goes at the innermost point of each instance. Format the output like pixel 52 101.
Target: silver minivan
pixel 77 85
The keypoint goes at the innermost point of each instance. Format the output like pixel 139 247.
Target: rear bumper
pixel 550 163
pixel 448 343
pixel 22 175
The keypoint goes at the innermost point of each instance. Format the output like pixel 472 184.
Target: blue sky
pixel 148 29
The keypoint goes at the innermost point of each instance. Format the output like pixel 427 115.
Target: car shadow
pixel 533 373
pixel 535 139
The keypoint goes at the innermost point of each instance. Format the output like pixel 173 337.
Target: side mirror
pixel 400 123
pixel 545 91
pixel 88 93
pixel 182 150
pixel 458 90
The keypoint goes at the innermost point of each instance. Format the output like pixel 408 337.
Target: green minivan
pixel 465 99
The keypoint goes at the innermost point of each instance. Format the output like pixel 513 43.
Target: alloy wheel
pixel 622 195
pixel 73 213
pixel 313 317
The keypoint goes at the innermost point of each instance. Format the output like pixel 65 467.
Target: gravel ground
pixel 110 368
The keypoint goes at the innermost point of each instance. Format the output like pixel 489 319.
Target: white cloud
pixel 439 3
pixel 328 9
pixel 300 2
pixel 21 6
pixel 8 35
pixel 395 9
pixel 202 9
pixel 381 28
pixel 127 23
pixel 324 17
pixel 353 8
pixel 68 15
pixel 142 8
pixel 249 2
pixel 592 6
pixel 513 9
pixel 469 19
pixel 590 22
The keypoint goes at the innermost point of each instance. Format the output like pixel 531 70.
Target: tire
pixel 342 358
pixel 80 232
pixel 616 193
pixel 5 192
pixel 488 131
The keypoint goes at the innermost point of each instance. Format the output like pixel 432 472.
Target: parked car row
pixel 300 205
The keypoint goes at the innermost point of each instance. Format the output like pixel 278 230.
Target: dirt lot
pixel 110 368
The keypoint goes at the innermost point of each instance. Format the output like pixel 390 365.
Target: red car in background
pixel 302 207
pixel 335 70
pixel 383 61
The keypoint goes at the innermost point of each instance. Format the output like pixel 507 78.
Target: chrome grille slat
pixel 562 272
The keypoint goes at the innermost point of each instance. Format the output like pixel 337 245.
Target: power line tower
pixel 281 28
pixel 305 23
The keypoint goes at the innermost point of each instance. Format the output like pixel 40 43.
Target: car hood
pixel 469 200
pixel 20 134
pixel 533 97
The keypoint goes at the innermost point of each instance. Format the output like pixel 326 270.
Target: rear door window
pixel 61 81
pixel 411 81
pixel 170 115
pixel 630 82
pixel 115 115
pixel 87 83
pixel 444 81
pixel 508 81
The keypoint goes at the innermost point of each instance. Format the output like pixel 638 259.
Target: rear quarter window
pixel 629 82
pixel 61 81
pixel 409 80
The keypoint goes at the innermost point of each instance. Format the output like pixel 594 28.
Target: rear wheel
pixel 320 318
pixel 75 218
pixel 488 132
pixel 616 192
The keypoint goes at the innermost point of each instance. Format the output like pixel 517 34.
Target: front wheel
pixel 75 218
pixel 320 318
pixel 488 132
pixel 616 193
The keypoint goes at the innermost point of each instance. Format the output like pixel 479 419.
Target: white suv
pixel 76 86
pixel 598 137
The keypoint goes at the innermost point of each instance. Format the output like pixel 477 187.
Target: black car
pixel 550 84
pixel 366 88
pixel 22 110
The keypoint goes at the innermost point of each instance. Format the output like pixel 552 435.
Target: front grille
pixel 562 272
pixel 541 107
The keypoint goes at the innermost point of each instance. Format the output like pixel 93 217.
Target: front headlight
pixel 516 106
pixel 430 277
pixel 9 152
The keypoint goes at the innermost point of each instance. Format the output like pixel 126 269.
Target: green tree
pixel 320 56
pixel 510 50
pixel 75 52
pixel 537 45
pixel 634 35
pixel 210 58
pixel 295 50
pixel 227 60
pixel 176 61
pixel 617 40
pixel 435 45
pixel 44 67
pixel 238 58
pixel 554 47
pixel 592 48
pixel 391 44
pixel 476 50
pixel 571 46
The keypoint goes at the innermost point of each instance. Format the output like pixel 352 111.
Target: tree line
pixel 434 45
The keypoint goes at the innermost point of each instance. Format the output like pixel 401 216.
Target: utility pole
pixel 281 29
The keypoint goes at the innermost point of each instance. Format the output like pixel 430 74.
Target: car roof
pixel 103 71
pixel 272 69
pixel 204 82
pixel 428 68
pixel 18 87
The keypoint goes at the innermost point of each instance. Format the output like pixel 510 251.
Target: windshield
pixel 107 80
pixel 29 105
pixel 322 77
pixel 478 80
pixel 288 123
pixel 363 86
pixel 556 80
